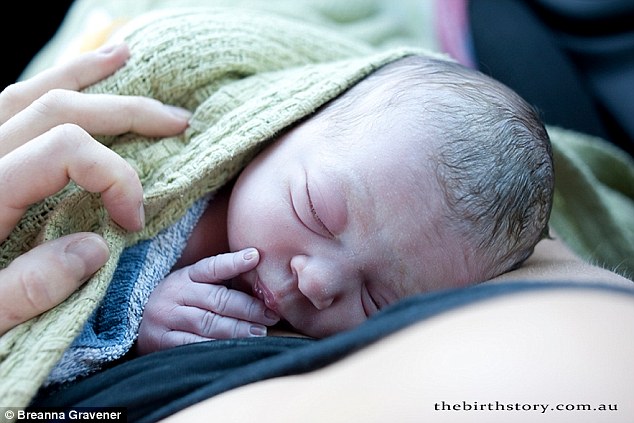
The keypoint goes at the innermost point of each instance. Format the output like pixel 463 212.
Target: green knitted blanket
pixel 247 76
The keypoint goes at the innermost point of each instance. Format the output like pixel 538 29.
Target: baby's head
pixel 492 158
pixel 424 176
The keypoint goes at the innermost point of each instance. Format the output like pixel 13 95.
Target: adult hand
pixel 192 304
pixel 45 141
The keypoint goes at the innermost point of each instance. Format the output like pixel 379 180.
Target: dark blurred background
pixel 573 59
pixel 25 31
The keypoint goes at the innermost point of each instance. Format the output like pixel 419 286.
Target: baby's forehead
pixel 396 183
pixel 384 146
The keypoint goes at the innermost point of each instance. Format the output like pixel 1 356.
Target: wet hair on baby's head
pixel 495 166
pixel 492 155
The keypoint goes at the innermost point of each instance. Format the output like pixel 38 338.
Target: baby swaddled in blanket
pixel 382 193
pixel 378 174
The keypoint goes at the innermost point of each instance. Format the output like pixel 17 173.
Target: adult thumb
pixel 46 275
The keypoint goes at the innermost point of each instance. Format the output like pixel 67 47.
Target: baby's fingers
pixel 223 302
pixel 218 327
pixel 223 267
pixel 193 320
pixel 205 324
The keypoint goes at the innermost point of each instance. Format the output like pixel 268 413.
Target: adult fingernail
pixel 257 330
pixel 108 48
pixel 250 254
pixel 142 215
pixel 92 250
pixel 179 112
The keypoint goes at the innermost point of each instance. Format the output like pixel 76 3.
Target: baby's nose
pixel 316 280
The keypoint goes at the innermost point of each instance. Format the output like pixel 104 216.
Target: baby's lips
pixel 261 291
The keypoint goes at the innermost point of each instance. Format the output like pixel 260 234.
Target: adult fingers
pixel 75 74
pixel 46 275
pixel 223 267
pixel 99 114
pixel 43 167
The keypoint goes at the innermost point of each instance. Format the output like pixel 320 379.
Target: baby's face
pixel 343 231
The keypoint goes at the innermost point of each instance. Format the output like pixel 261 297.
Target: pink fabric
pixel 452 29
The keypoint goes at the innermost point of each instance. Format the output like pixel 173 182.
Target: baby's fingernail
pixel 179 112
pixel 250 254
pixel 257 330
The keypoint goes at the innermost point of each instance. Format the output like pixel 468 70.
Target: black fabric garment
pixel 573 60
pixel 157 385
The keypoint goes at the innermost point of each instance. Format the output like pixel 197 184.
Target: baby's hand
pixel 192 304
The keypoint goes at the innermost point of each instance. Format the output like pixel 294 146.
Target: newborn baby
pixel 435 177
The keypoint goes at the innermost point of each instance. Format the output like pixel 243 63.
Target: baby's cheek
pixel 242 282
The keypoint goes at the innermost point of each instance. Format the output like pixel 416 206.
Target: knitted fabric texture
pixel 246 76
pixel 113 328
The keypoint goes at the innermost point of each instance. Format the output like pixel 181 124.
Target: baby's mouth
pixel 262 292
